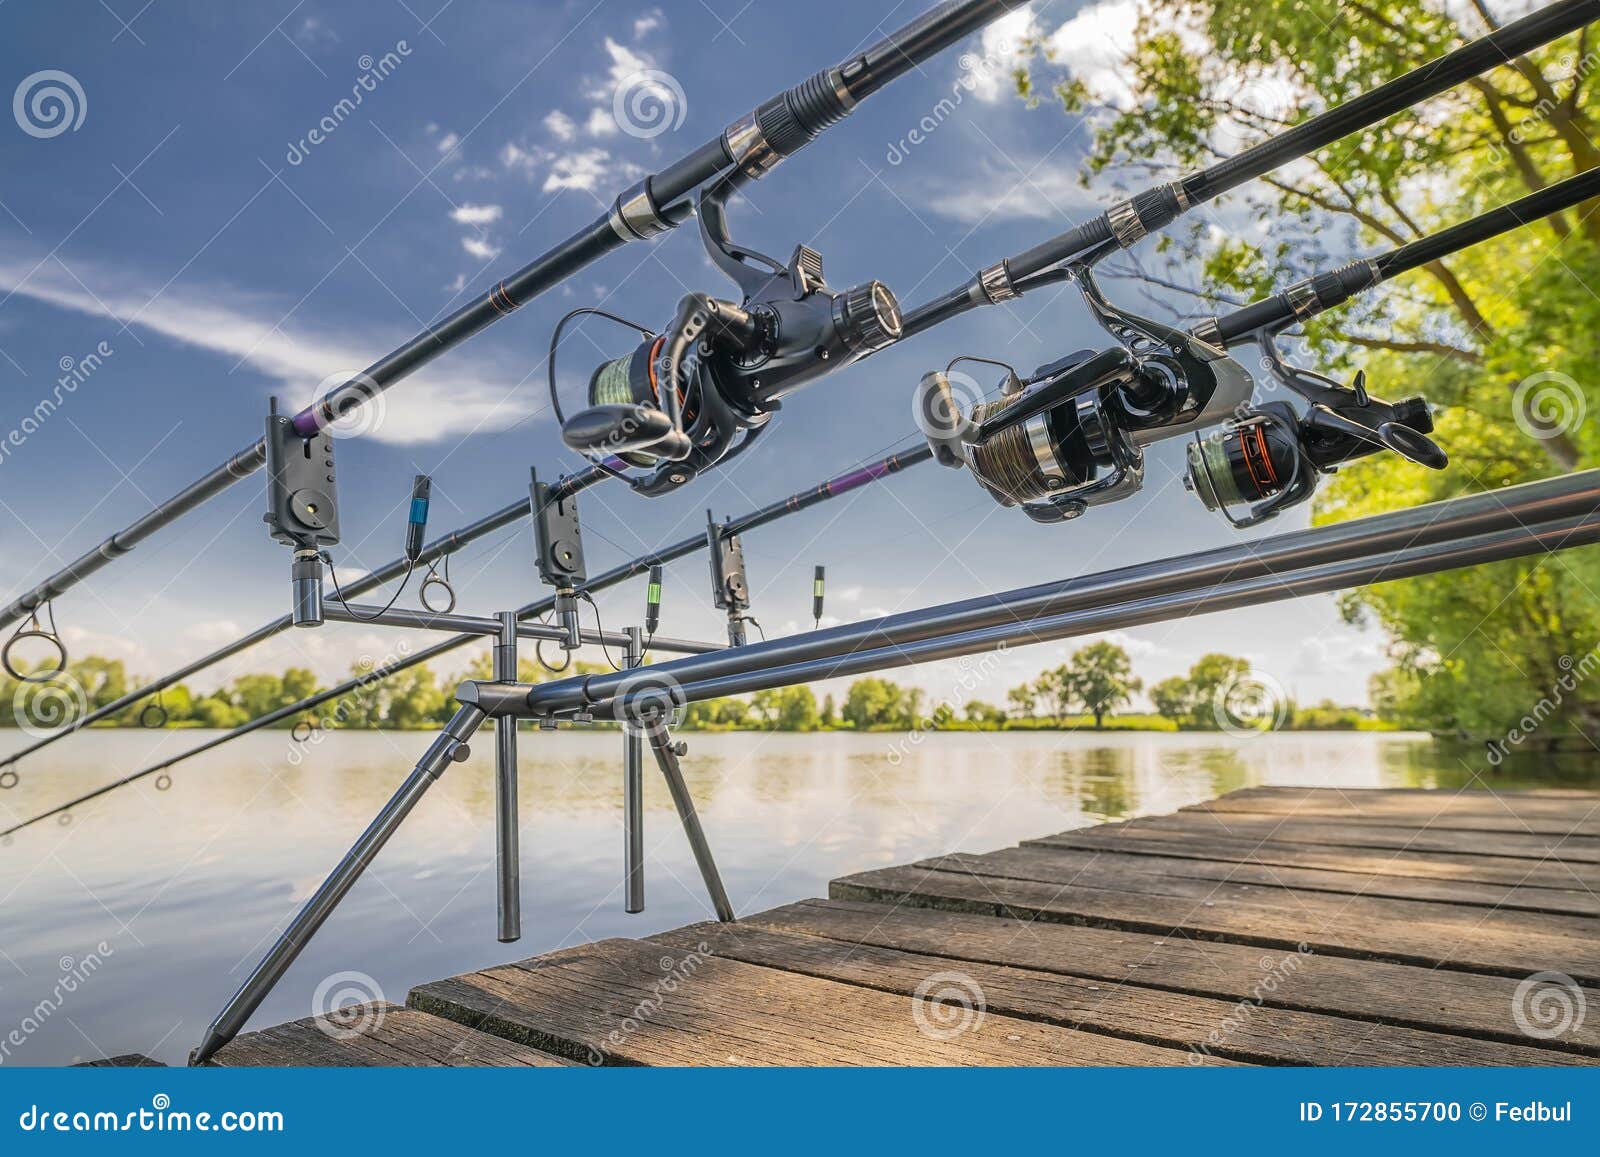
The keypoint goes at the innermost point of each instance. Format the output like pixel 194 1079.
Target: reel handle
pixel 624 428
pixel 1413 446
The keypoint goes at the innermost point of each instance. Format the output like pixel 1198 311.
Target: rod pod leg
pixel 507 826
pixel 450 747
pixel 666 752
pixel 633 796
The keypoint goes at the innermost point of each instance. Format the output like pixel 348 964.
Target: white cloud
pixel 987 76
pixel 587 169
pixel 559 125
pixel 448 142
pixel 480 248
pixel 624 63
pixel 602 122
pixel 467 214
pixel 648 23
pixel 514 156
pixel 471 395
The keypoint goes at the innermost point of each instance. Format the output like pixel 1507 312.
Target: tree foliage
pixel 1501 338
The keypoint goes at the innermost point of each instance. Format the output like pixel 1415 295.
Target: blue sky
pixel 191 225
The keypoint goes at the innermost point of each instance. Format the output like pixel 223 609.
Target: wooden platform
pixel 1296 926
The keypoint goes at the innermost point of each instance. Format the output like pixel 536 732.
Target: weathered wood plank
pixel 1445 810
pixel 1385 862
pixel 1412 933
pixel 391 1036
pixel 1241 1031
pixel 1434 999
pixel 124 1061
pixel 1548 802
pixel 1571 849
pixel 608 1002
pixel 1112 869
pixel 1335 909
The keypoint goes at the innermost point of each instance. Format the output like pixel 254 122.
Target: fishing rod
pixel 435 582
pixel 1355 560
pixel 1546 501
pixel 702 390
pixel 1073 434
pixel 649 564
pixel 751 146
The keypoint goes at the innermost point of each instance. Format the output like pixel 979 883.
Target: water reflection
pixel 186 887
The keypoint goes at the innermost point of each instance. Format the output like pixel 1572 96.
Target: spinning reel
pixel 700 393
pixel 1269 458
pixel 1073 434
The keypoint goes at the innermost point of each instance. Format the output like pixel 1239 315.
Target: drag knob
pixel 867 318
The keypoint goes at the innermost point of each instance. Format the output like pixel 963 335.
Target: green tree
pixel 872 703
pixel 216 711
pixel 1174 698
pixel 1207 679
pixel 1054 690
pixel 1503 334
pixel 1022 701
pixel 984 714
pixel 1100 676
pixel 829 716
pixel 797 710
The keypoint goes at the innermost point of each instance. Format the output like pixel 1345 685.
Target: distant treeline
pixel 1087 691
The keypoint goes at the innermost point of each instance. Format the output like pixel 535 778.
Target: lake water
pixel 151 906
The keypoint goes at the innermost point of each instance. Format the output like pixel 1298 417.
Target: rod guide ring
pixel 34 632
